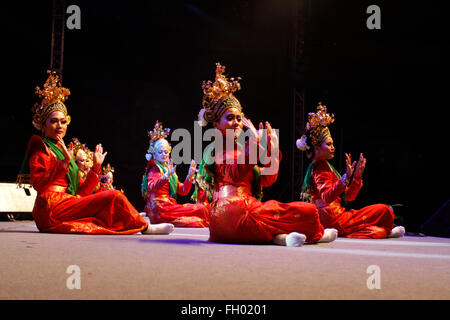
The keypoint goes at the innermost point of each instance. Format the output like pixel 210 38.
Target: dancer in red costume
pixel 65 203
pixel 160 186
pixel 234 183
pixel 327 189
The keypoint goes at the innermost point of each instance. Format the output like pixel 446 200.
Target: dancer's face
pixel 162 153
pixel 83 162
pixel 55 125
pixel 231 119
pixel 325 151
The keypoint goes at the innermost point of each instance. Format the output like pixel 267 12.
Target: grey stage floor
pixel 184 265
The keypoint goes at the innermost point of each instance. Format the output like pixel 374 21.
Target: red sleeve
pixel 44 167
pixel 154 181
pixel 184 188
pixel 327 183
pixel 353 190
pixel 88 186
pixel 269 173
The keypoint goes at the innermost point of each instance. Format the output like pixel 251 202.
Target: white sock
pixel 160 228
pixel 295 239
pixel 329 235
pixel 397 232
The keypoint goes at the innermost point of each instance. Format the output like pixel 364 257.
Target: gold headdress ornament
pixel 53 97
pixel 157 133
pixel 107 169
pixel 316 128
pixel 218 96
pixel 75 145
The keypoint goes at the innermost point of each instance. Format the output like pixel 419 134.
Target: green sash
pixel 72 175
pixel 307 182
pixel 173 181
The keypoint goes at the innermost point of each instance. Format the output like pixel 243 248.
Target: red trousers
pixel 107 212
pixel 371 222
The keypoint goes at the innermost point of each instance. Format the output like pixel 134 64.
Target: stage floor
pixel 184 265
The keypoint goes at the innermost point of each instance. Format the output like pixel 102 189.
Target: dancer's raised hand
pixel 350 167
pixel 99 156
pixel 192 170
pixel 67 153
pixel 360 167
pixel 170 168
pixel 272 137
pixel 256 134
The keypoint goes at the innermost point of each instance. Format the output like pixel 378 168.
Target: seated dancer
pixel 160 186
pixel 64 202
pixel 107 178
pixel 234 183
pixel 327 189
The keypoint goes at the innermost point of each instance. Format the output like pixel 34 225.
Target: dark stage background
pixel 135 62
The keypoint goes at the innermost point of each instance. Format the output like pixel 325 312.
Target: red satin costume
pixel 238 217
pixel 162 208
pixel 57 211
pixel 374 221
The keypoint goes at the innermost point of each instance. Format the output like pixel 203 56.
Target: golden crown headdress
pixel 316 128
pixel 157 133
pixel 218 96
pixel 75 145
pixel 53 97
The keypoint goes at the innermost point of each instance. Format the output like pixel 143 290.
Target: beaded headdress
pixel 53 97
pixel 156 134
pixel 218 96
pixel 316 128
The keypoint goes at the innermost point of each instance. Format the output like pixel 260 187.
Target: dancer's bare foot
pixel 397 232
pixel 329 235
pixel 160 228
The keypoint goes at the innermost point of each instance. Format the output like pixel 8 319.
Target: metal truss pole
pixel 57 44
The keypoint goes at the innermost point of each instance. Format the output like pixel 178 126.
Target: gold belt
pixel 55 188
pixel 230 190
